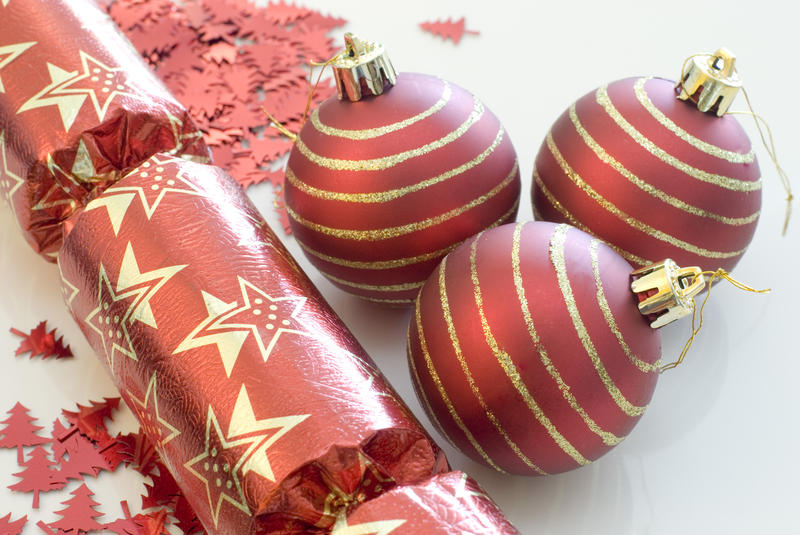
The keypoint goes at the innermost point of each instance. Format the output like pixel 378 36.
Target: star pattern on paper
pixel 68 90
pixel 154 177
pixel 157 429
pixel 226 459
pixel 461 491
pixel 372 484
pixel 183 140
pixel 9 53
pixel 118 307
pixel 379 527
pixel 10 181
pixel 68 290
pixel 229 324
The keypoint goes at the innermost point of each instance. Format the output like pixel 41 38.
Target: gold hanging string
pixel 277 125
pixel 712 276
pixel 770 147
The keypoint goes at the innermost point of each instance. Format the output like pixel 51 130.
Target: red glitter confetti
pixel 40 342
pixel 20 431
pixel 90 420
pixel 9 527
pixel 79 514
pixel 224 59
pixel 38 475
pixel 448 29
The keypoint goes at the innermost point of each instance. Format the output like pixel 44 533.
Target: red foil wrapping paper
pixel 450 503
pixel 263 406
pixel 78 110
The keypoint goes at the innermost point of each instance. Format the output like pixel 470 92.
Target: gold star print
pixel 119 307
pixel 68 90
pixel 461 491
pixel 157 429
pixel 68 290
pixel 372 484
pixel 10 181
pixel 9 53
pixel 225 460
pixel 183 140
pixel 228 325
pixel 380 527
pixel 155 176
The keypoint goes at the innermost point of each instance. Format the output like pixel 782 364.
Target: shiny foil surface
pixel 266 410
pixel 651 175
pixel 450 503
pixel 78 110
pixel 528 351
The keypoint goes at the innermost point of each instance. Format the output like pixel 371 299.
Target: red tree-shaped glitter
pixel 38 475
pixel 448 29
pixel 39 342
pixel 7 527
pixel 79 513
pixel 91 419
pixel 125 525
pixel 20 431
pixel 82 458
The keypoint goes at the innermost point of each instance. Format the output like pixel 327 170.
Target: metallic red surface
pixel 526 394
pixel 463 179
pixel 78 109
pixel 263 406
pixel 676 210
pixel 449 503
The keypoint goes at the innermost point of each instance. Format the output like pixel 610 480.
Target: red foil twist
pixel 78 110
pixel 259 400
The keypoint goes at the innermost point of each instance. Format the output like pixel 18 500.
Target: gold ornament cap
pixel 668 291
pixel 711 81
pixel 363 68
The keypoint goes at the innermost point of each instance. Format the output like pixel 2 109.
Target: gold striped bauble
pixel 379 190
pixel 527 349
pixel 651 175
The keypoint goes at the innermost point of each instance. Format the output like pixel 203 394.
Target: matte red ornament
pixel 448 29
pixel 40 342
pixel 19 431
pixel 9 527
pixel 79 514
pixel 379 190
pixel 651 175
pixel 38 475
pixel 528 351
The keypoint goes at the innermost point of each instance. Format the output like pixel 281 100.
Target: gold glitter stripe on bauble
pixel 425 401
pixel 401 230
pixel 577 224
pixel 722 181
pixel 386 301
pixel 451 329
pixel 610 439
pixel 370 133
pixel 389 195
pixel 560 264
pixel 602 302
pixel 385 162
pixel 442 392
pixel 397 262
pixel 606 158
pixel 669 124
pixel 631 221
pixel 375 287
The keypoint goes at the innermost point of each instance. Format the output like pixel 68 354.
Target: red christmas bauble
pixel 379 190
pixel 528 351
pixel 651 175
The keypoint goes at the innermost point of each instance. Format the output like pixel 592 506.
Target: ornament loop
pixel 666 291
pixel 711 80
pixel 363 68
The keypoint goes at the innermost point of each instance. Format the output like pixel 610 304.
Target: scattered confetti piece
pixel 20 431
pixel 39 342
pixel 90 420
pixel 448 29
pixel 9 527
pixel 79 514
pixel 38 475
pixel 225 58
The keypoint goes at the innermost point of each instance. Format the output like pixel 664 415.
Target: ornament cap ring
pixel 362 68
pixel 667 291
pixel 711 81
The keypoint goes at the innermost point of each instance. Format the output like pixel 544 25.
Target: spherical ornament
pixel 527 349
pixel 651 175
pixel 379 190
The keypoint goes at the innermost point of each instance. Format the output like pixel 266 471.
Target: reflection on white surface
pixel 716 452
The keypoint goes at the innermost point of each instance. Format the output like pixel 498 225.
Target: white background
pixel 717 450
